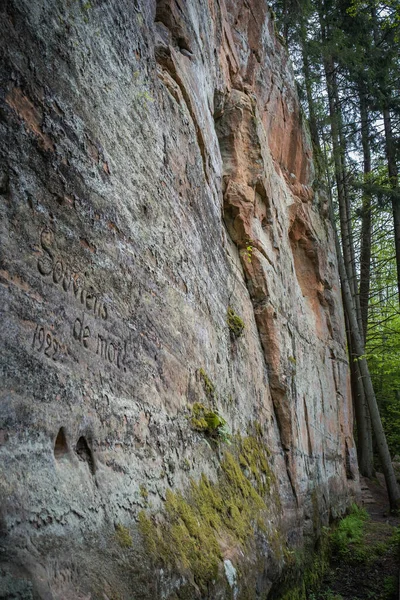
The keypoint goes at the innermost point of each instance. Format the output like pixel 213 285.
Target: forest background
pixel 346 59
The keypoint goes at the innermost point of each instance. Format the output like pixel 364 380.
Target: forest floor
pixel 366 568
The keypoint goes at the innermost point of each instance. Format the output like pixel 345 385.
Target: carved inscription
pixel 46 342
pixel 110 349
pixel 114 352
pixel 62 275
pixel 81 332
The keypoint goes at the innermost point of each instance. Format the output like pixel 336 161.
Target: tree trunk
pixel 363 421
pixel 310 99
pixel 394 183
pixel 340 175
pixel 364 434
pixel 365 251
pixel 380 438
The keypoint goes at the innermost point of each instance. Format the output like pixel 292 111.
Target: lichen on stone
pixel 144 492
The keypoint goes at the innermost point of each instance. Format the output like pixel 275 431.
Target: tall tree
pixel 350 54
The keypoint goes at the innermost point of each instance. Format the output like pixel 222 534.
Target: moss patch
pixel 235 323
pixel 255 460
pixel 190 534
pixel 123 536
pixel 208 385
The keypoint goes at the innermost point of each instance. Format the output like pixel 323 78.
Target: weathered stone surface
pixel 154 172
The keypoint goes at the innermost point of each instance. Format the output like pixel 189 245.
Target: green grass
pixel 347 539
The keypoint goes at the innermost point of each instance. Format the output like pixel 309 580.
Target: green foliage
pixel 395 540
pixel 347 538
pixel 235 323
pixel 329 595
pixel 389 586
pixel 249 252
pixel 210 422
pixel 383 337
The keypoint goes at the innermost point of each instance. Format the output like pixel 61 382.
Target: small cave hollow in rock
pixel 84 453
pixel 60 445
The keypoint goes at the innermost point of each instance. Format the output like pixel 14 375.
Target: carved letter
pixel 67 279
pixel 45 263
pixel 77 329
pixel 102 346
pixel 111 354
pixel 86 335
pixel 89 301
pixel 58 271
pixel 77 285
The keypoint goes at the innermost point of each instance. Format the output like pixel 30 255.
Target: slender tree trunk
pixel 366 462
pixel 310 99
pixel 364 432
pixel 394 183
pixel 352 271
pixel 380 438
pixel 365 452
pixel 340 175
pixel 365 251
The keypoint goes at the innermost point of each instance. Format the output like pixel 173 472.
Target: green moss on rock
pixel 205 419
pixel 194 527
pixel 235 323
pixel 123 536
pixel 305 571
pixel 208 385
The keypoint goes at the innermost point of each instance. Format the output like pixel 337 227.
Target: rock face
pixel 175 417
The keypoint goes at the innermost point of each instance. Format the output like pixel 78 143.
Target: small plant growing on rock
pixel 249 252
pixel 235 323
pixel 209 422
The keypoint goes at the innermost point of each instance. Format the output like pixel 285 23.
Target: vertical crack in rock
pixel 247 215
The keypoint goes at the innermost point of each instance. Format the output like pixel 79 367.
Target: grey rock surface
pixel 155 172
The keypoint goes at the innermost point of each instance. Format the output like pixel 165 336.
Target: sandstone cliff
pixel 175 417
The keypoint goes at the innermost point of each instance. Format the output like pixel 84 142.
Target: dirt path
pixel 370 570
